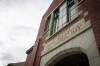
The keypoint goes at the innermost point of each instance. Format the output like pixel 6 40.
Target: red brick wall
pixel 93 8
pixel 95 20
pixel 31 56
pixel 99 2
pixel 29 60
pixel 40 48
pixel 41 30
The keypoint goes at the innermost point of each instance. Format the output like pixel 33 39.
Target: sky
pixel 19 24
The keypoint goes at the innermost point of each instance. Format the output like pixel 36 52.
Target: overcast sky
pixel 19 23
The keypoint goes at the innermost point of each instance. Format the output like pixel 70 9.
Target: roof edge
pixel 29 50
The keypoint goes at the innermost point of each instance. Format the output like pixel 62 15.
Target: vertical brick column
pixel 95 21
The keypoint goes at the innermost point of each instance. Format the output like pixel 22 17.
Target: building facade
pixel 69 35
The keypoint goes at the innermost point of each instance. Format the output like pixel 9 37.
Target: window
pixel 72 9
pixel 63 14
pixel 60 17
pixel 47 24
pixel 56 20
pixel 66 12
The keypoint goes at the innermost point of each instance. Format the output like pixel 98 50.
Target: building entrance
pixel 74 60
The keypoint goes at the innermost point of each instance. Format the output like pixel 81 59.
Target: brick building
pixel 69 35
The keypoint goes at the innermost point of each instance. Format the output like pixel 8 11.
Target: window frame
pixel 54 25
pixel 47 24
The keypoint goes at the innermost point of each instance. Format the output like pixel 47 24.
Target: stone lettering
pixel 66 34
